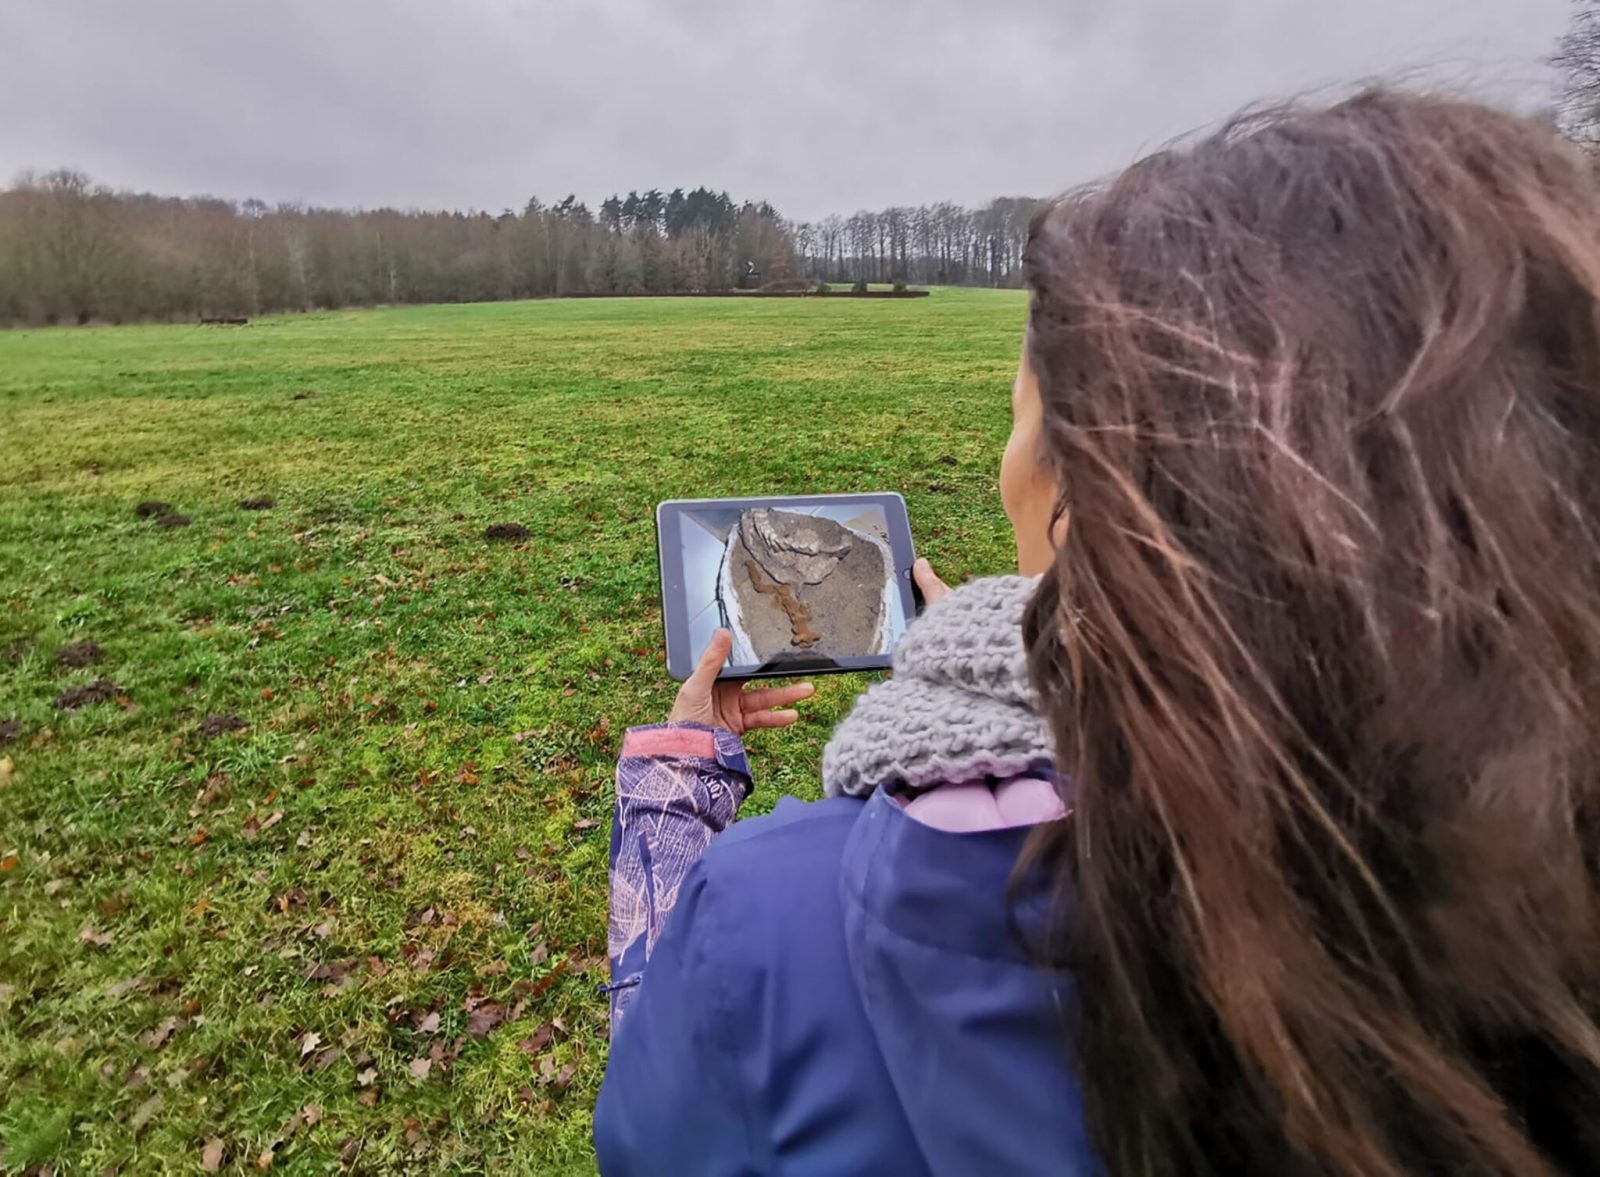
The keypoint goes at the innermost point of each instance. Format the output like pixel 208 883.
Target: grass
pixel 245 939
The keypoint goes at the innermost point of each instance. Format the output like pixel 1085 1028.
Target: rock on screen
pixel 812 581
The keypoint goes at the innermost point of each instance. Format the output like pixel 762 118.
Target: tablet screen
pixel 805 585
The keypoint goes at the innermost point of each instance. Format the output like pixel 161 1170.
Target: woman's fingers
pixel 928 581
pixel 754 719
pixel 764 700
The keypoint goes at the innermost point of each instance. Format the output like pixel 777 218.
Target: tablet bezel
pixel 681 657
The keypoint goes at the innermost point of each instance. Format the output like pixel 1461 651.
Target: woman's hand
pixel 702 699
pixel 928 581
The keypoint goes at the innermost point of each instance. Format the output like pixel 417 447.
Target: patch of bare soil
pixel 152 508
pixel 213 726
pixel 10 729
pixel 505 532
pixel 79 654
pixel 101 690
pixel 173 520
pixel 262 504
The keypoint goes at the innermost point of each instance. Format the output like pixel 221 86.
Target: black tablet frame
pixel 674 609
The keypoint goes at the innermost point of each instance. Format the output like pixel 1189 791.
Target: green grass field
pixel 367 927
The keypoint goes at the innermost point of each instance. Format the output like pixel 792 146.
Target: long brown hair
pixel 1321 647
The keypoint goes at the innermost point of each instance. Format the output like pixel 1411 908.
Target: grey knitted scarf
pixel 959 707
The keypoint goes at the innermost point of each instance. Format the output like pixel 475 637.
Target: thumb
pixel 928 581
pixel 713 660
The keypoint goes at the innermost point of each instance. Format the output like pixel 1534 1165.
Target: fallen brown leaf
pixel 365 1078
pixel 95 939
pixel 368 1098
pixel 548 979
pixel 145 1112
pixel 485 1018
pixel 7 770
pixel 564 1076
pixel 493 969
pixel 419 1067
pixel 211 1155
pixel 161 1034
pixel 311 1114
pixel 429 1024
pixel 308 1042
pixel 9 862
pixel 538 1040
pixel 273 819
pixel 584 823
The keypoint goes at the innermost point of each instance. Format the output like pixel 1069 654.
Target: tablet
pixel 807 584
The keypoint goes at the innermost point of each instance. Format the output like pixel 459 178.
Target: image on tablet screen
pixel 802 582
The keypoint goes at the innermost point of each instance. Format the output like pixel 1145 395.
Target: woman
pixel 1320 658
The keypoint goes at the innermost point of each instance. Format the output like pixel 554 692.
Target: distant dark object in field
pixel 787 286
pixel 213 726
pixel 14 652
pixel 101 690
pixel 505 531
pixel 258 504
pixel 152 507
pixel 304 394
pixel 79 654
pixel 10 729
pixel 948 460
pixel 224 321
pixel 172 520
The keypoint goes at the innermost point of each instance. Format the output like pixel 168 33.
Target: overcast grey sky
pixel 817 105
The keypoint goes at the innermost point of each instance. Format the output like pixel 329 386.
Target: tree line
pixel 72 251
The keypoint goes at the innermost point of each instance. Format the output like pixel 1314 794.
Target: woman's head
pixel 1322 650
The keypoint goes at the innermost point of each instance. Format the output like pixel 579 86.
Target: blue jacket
pixel 837 991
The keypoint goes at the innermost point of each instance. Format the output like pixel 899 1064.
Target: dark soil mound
pixel 10 729
pixel 213 726
pixel 79 654
pixel 302 396
pixel 505 531
pixel 173 520
pixel 258 504
pixel 101 690
pixel 152 507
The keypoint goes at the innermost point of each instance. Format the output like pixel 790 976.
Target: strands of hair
pixel 1321 650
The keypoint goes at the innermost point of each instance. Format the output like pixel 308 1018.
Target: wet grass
pixel 318 876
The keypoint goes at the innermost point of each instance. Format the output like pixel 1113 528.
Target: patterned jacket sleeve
pixel 679 785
